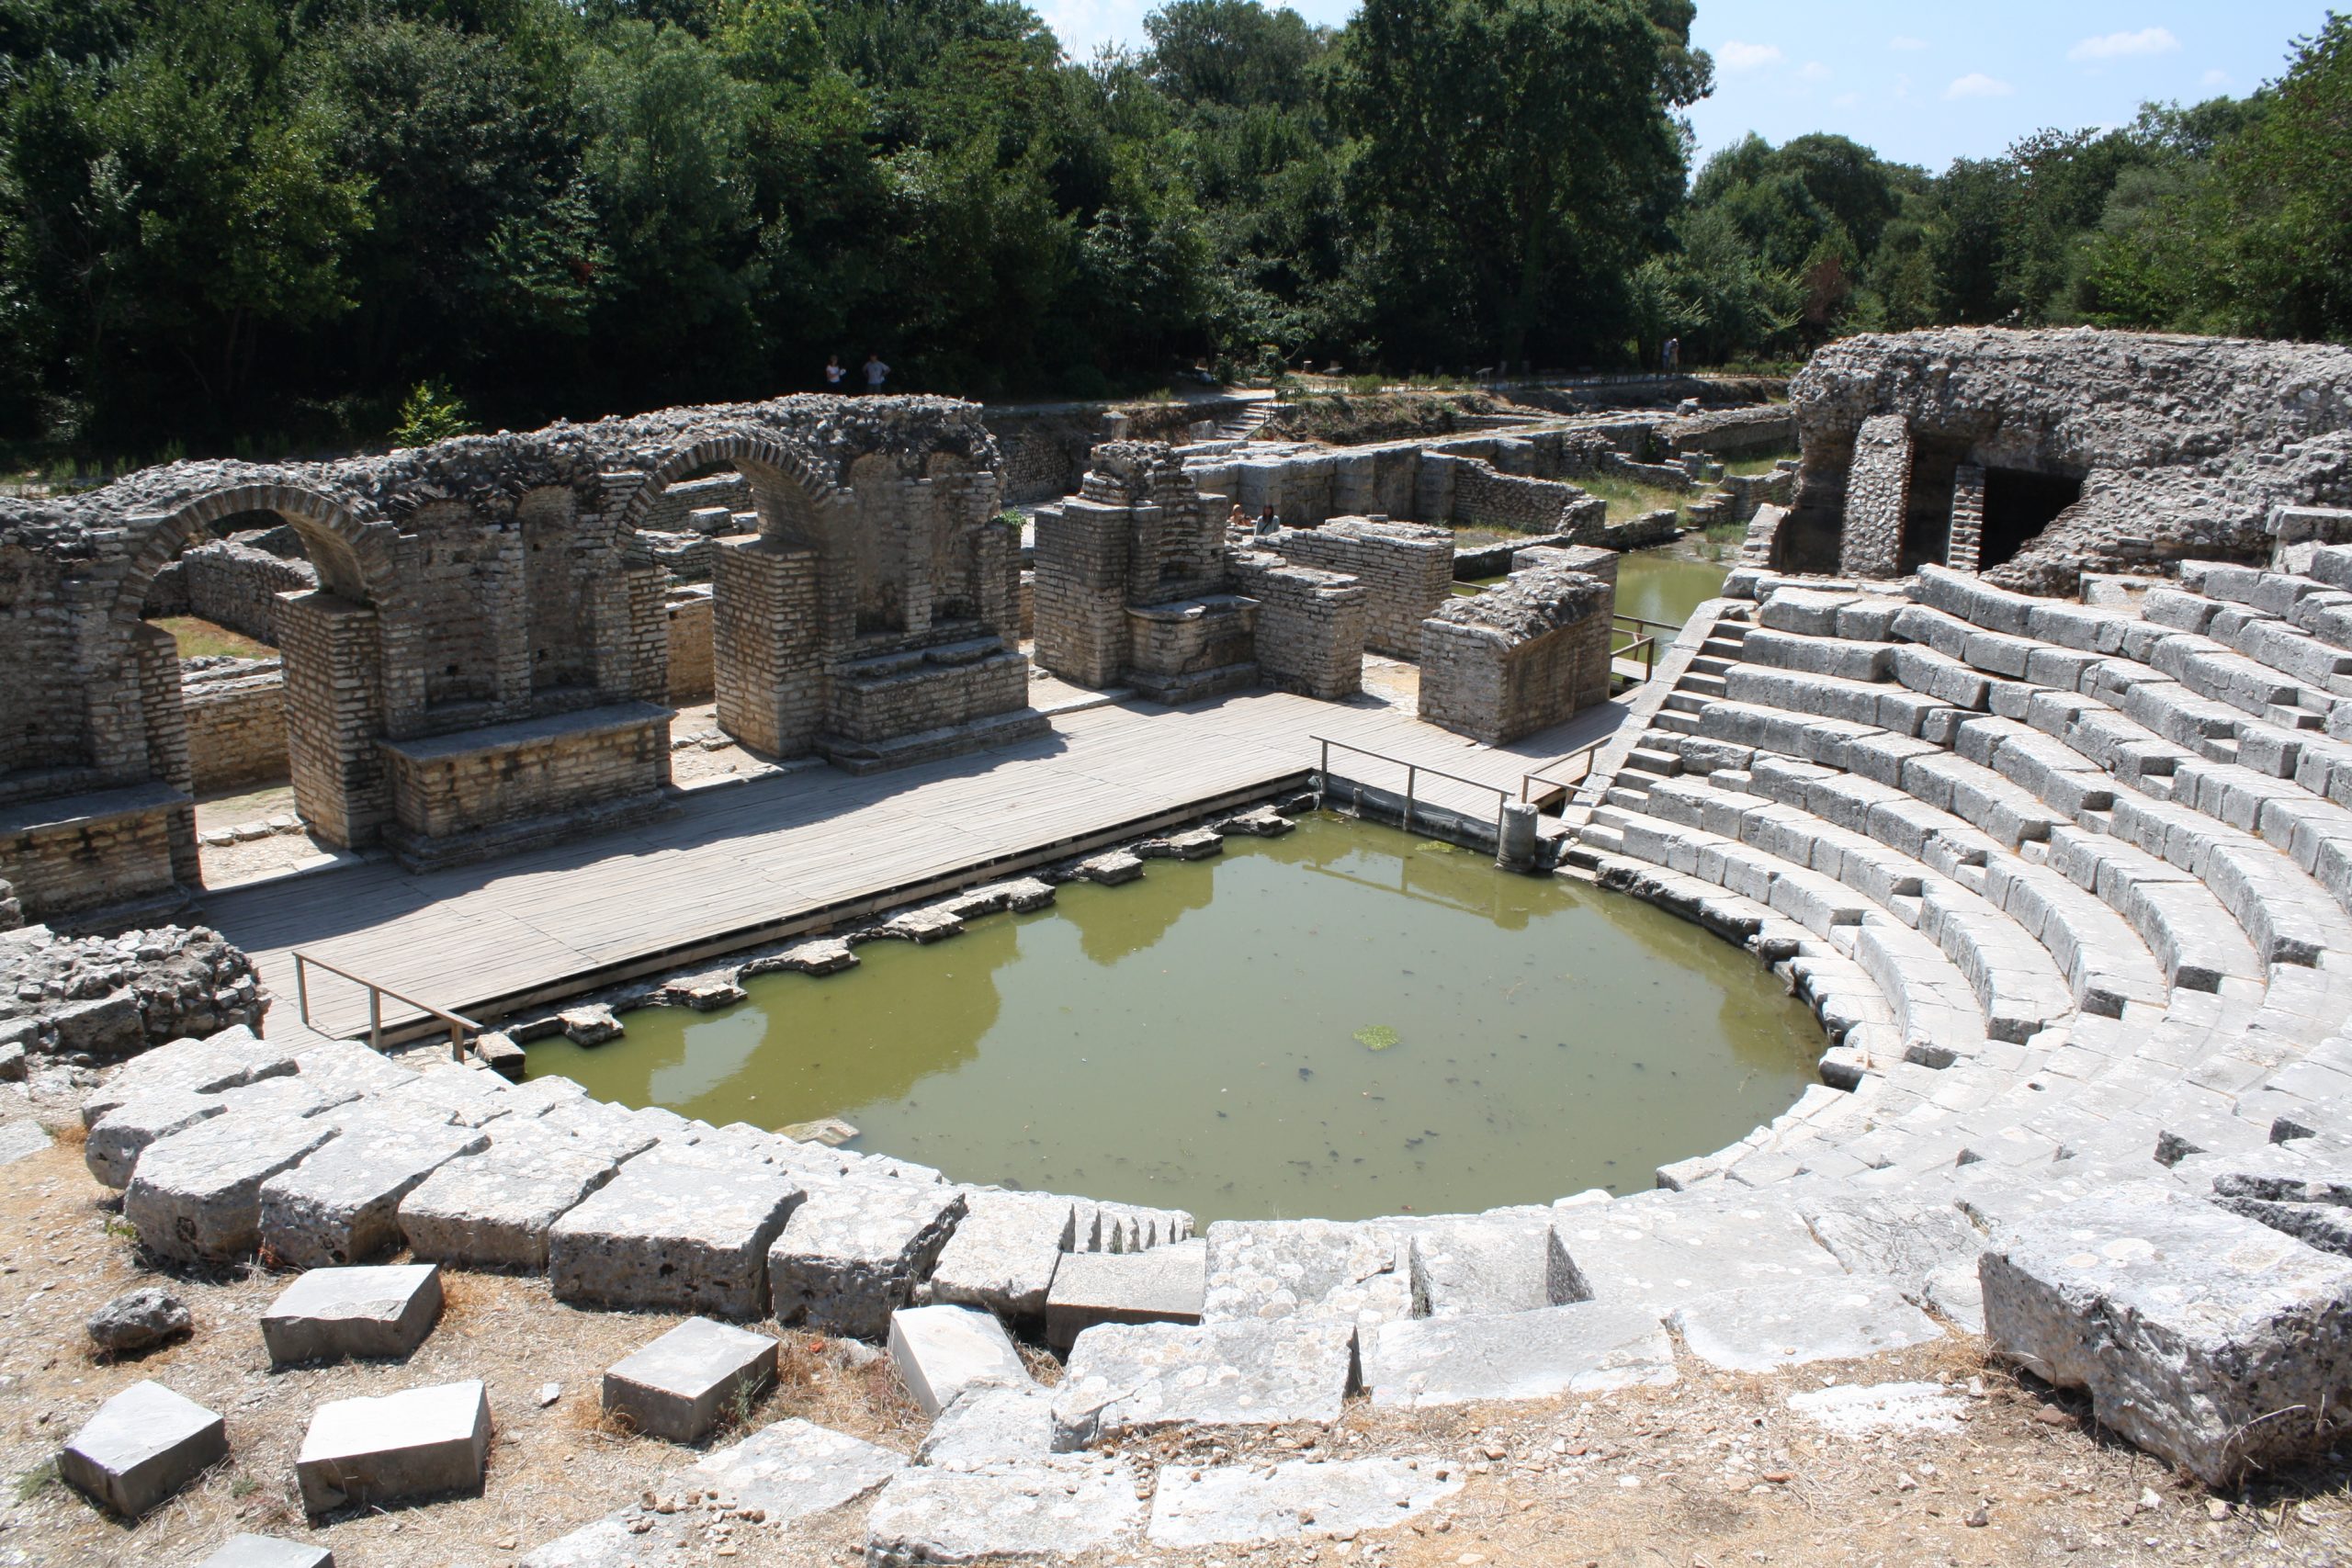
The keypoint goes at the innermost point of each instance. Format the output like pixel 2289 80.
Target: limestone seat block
pixel 1765 1327
pixel 413 1444
pixel 1004 1252
pixel 1129 1378
pixel 1058 1509
pixel 494 1209
pixel 365 1310
pixel 1160 1284
pixel 342 1204
pixel 196 1195
pixel 1586 1348
pixel 991 1424
pixel 1499 1262
pixel 2207 1338
pixel 1321 1269
pixel 1235 1504
pixel 676 1233
pixel 941 1351
pixel 267 1552
pixel 853 1253
pixel 680 1386
pixel 228 1059
pixel 142 1446
pixel 1658 1254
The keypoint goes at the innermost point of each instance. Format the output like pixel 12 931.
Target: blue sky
pixel 1923 83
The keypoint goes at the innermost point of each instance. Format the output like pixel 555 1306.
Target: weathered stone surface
pixel 1320 1269
pixel 1004 1252
pixel 119 1137
pixel 197 1194
pixel 143 1445
pixel 1586 1348
pixel 1111 868
pixel 1001 1512
pixel 1860 1410
pixel 941 1351
pixel 1502 1261
pixel 991 1424
pixel 1232 1504
pixel 139 1319
pixel 667 1233
pixel 2212 1341
pixel 1764 1327
pixel 590 1025
pixel 328 1313
pixel 494 1209
pixel 1258 823
pixel 411 1444
pixel 680 1387
pixel 342 1203
pixel 1659 1250
pixel 502 1055
pixel 853 1253
pixel 783 1472
pixel 267 1552
pixel 1196 843
pixel 226 1060
pixel 1160 1284
pixel 1129 1378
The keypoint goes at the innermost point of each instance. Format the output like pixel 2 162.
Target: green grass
pixel 1628 499
pixel 202 640
pixel 1750 467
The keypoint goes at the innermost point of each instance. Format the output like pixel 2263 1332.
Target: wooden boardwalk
pixel 743 863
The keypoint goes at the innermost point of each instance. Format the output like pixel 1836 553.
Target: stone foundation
pixel 1407 570
pixel 236 724
pixel 88 852
pixel 1192 649
pixel 1519 656
pixel 1310 625
pixel 483 791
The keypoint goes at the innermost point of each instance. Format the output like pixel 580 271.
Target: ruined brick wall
pixel 445 786
pixel 1518 657
pixel 1407 570
pixel 909 692
pixel 1311 629
pixel 1045 456
pixel 235 585
pixel 2183 444
pixel 235 713
pixel 1878 497
pixel 688 614
pixel 117 846
pixel 671 511
pixel 1733 434
pixel 767 646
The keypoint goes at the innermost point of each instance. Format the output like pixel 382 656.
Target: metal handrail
pixel 1587 750
pixel 460 1025
pixel 1647 648
pixel 1412 779
pixel 1645 621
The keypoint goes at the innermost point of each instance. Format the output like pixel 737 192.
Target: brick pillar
pixel 1878 491
pixel 767 650
pixel 1081 591
pixel 334 714
pixel 1967 518
pixel 167 753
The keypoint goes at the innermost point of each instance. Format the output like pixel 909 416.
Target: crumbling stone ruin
pixel 1525 654
pixel 110 997
pixel 1136 585
pixel 2035 457
pixel 1407 570
pixel 476 653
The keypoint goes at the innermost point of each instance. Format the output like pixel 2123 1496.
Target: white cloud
pixel 2119 46
pixel 1906 43
pixel 2215 79
pixel 1976 85
pixel 1845 100
pixel 1815 72
pixel 1737 56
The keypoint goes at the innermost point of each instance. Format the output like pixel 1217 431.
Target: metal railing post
pixel 1323 777
pixel 1412 777
pixel 374 1018
pixel 302 990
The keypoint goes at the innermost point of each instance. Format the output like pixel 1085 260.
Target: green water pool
pixel 1344 1021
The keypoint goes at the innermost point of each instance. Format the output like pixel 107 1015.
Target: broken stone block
pixel 494 1209
pixel 1906 1241
pixel 1126 1227
pixel 936 923
pixel 1230 1504
pixel 1129 1377
pixel 669 1233
pixel 1059 1509
pixel 330 1313
pixel 342 1204
pixel 1764 1327
pixel 139 1319
pixel 990 1424
pixel 228 1059
pixel 118 1138
pixel 1197 843
pixel 1498 1262
pixel 1259 822
pixel 1587 1348
pixel 590 1025
pixel 1003 1254
pixel 2209 1339
pixel 941 1351
pixel 781 1474
pixel 1324 1269
pixel 197 1194
pixel 680 1386
pixel 502 1055
pixel 818 955
pixel 830 1131
pixel 704 993
pixel 413 1444
pixel 852 1254
pixel 1164 1284
pixel 1658 1250
pixel 142 1446
pixel 1111 868
pixel 1020 895
pixel 267 1552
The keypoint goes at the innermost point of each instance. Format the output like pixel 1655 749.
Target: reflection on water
pixel 1190 1040
pixel 1661 585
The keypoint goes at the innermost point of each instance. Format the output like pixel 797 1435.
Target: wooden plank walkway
pixel 745 862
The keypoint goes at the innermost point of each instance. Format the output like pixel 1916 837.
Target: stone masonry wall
pixel 1407 570
pixel 446 786
pixel 1310 632
pixel 236 723
pixel 688 612
pixel 1967 517
pixel 1518 657
pixel 1878 494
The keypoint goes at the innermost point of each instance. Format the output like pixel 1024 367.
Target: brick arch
pixel 756 455
pixel 349 562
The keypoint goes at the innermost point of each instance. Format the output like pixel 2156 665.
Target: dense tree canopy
pixel 220 218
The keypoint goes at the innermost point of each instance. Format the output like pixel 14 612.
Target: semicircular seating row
pixel 2067 885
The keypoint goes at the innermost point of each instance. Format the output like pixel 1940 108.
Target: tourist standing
pixel 1673 354
pixel 876 371
pixel 835 373
pixel 1267 522
pixel 1237 521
